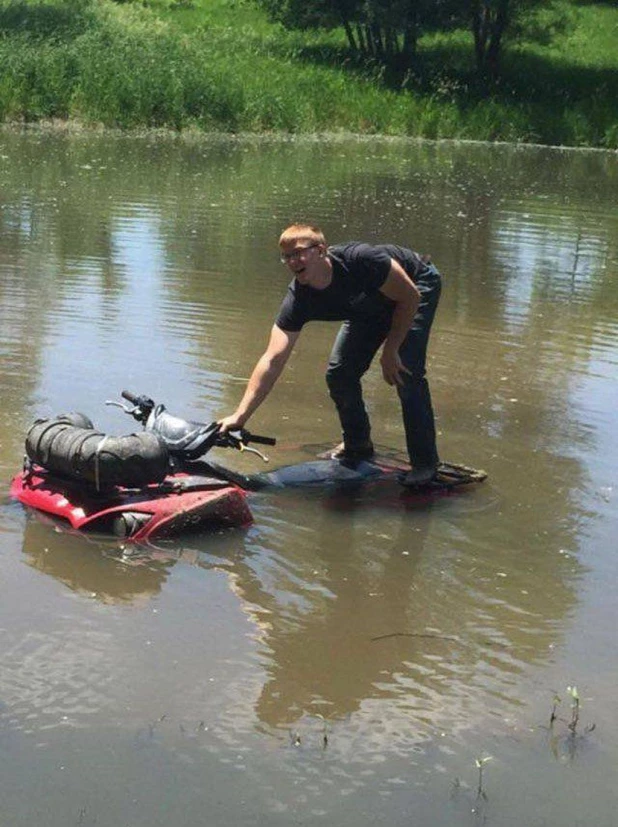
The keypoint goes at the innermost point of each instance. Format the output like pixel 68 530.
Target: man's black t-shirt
pixel 359 270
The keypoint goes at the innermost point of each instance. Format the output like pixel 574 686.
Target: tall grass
pixel 219 66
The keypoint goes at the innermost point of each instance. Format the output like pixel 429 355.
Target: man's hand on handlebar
pixel 231 423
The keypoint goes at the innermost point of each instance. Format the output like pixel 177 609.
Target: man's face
pixel 303 259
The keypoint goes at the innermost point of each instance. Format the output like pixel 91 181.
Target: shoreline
pixel 76 128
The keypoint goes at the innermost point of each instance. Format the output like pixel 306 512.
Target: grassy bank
pixel 219 65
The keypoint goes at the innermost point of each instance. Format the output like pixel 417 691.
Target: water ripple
pixel 56 679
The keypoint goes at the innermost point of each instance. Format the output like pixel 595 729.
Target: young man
pixel 386 296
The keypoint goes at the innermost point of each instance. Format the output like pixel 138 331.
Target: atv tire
pixel 68 450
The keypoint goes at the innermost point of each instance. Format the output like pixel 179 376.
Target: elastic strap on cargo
pixel 96 462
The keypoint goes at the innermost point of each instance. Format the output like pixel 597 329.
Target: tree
pixel 388 30
pixel 489 20
pixel 384 30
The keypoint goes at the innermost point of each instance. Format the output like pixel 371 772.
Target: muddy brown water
pixel 347 659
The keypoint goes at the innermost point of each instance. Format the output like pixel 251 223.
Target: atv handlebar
pixel 133 398
pixel 241 442
pixel 142 405
pixel 185 439
pixel 247 437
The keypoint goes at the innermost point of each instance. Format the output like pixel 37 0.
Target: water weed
pixel 565 744
pixel 572 723
pixel 480 765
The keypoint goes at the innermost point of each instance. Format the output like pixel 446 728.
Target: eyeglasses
pixel 286 258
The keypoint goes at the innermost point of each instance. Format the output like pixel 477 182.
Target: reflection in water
pixel 416 629
pixel 361 607
pixel 88 567
pixel 415 613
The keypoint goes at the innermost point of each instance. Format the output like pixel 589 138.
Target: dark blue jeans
pixel 355 346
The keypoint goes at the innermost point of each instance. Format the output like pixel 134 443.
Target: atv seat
pixel 182 437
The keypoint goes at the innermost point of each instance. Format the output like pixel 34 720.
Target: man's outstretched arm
pixel 263 378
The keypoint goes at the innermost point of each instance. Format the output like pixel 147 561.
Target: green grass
pixel 221 66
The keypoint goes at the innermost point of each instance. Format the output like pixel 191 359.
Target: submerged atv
pixel 156 482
